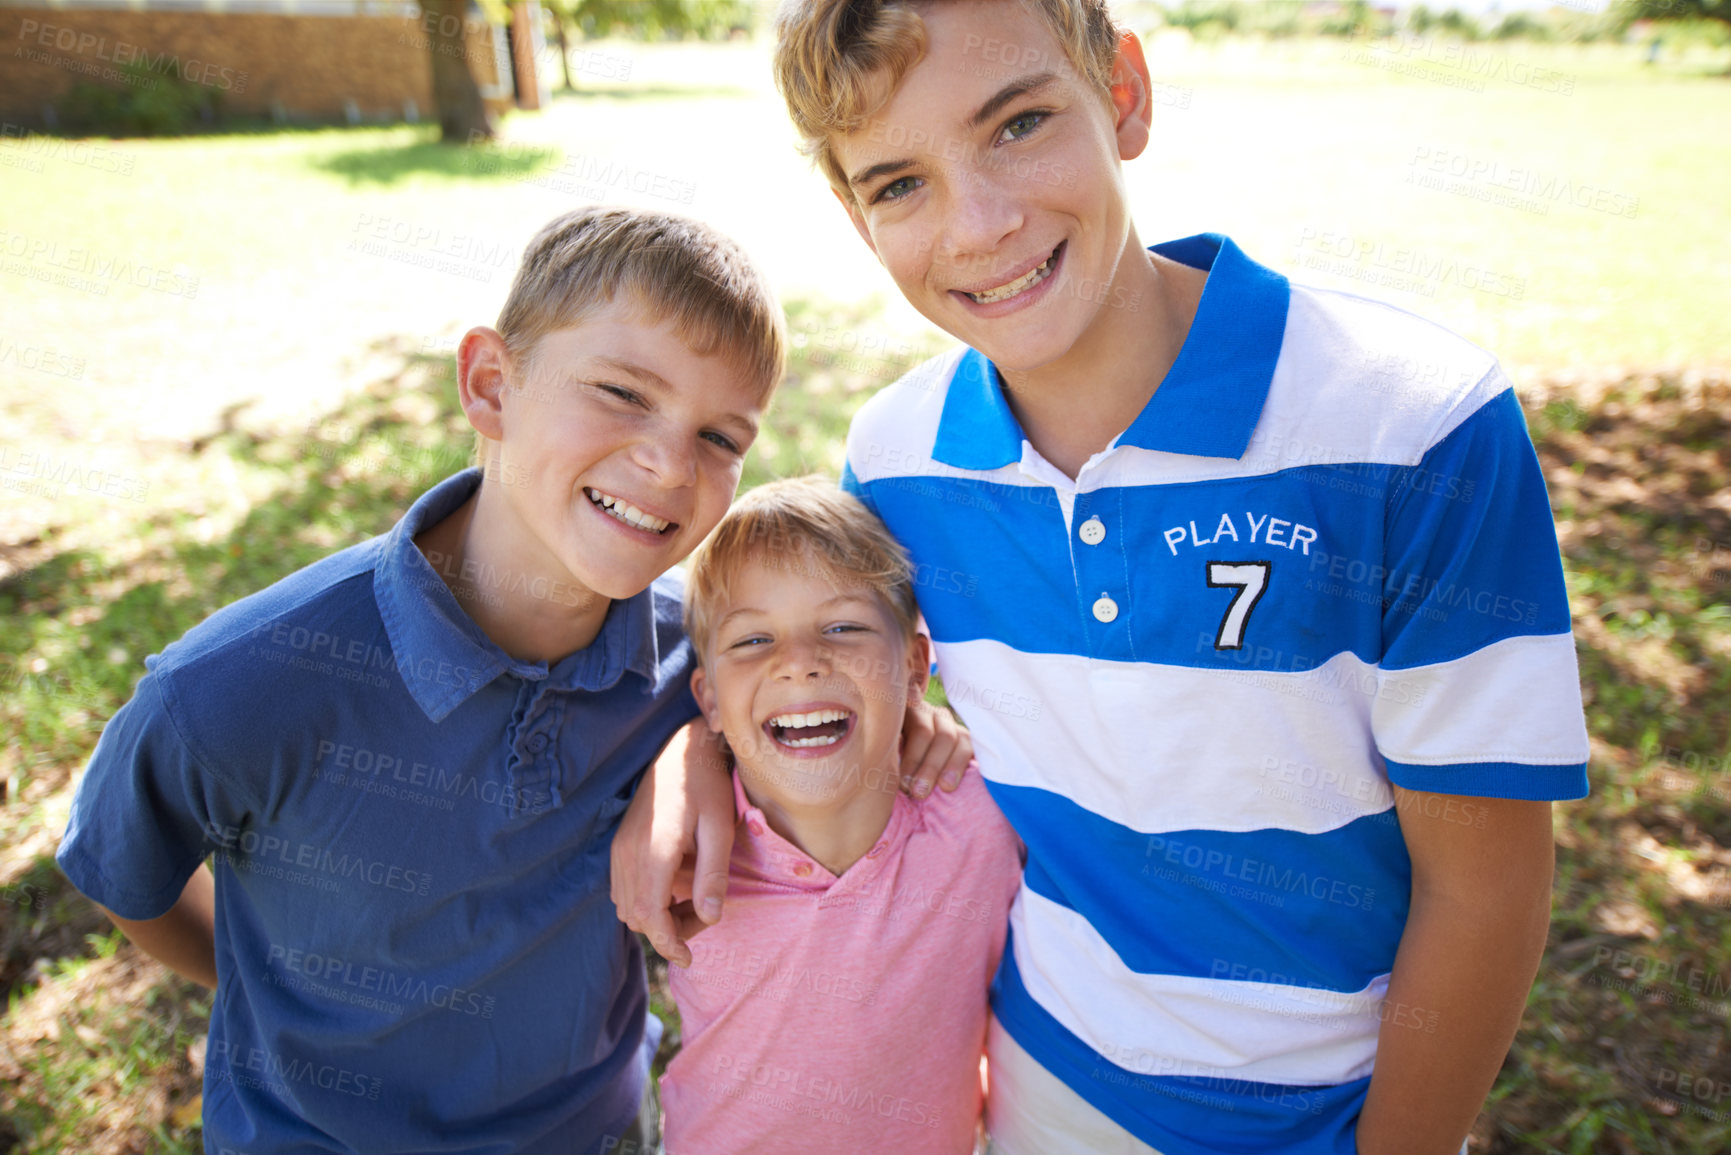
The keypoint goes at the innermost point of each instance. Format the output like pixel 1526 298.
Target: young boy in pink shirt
pixel 842 1004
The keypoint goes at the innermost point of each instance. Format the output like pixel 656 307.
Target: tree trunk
pixel 462 115
pixel 564 49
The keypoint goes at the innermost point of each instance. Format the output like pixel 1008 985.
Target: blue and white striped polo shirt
pixel 1321 560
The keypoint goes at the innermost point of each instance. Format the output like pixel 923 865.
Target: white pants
pixel 1030 1111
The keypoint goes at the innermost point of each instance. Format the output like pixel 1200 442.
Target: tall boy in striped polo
pixel 1262 632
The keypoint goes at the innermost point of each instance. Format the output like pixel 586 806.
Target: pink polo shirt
pixel 832 1016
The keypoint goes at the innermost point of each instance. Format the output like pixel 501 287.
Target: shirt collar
pixel 780 861
pixel 1207 405
pixel 444 657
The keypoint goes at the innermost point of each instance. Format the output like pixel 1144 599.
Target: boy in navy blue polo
pixel 1261 630
pixel 408 759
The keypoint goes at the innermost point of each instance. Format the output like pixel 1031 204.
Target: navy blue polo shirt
pixel 409 831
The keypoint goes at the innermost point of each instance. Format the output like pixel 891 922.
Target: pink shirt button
pixel 802 868
pixel 754 826
pixel 876 850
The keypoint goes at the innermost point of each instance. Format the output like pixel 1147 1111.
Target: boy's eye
pixel 747 642
pixel 630 396
pixel 1024 124
pixel 895 190
pixel 722 440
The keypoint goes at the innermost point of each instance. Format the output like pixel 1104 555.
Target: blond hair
pixel 838 61
pixel 676 269
pixel 809 526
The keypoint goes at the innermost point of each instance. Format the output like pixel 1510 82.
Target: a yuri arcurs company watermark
pixel 1528 188
pixel 92 271
pixel 1397 267
pixel 35 151
pixel 432 246
pixel 120 61
pixel 588 176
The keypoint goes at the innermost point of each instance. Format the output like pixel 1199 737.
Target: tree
pixel 463 115
pixel 1677 10
pixel 705 19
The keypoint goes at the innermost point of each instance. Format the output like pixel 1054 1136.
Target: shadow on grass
pixel 1635 481
pixel 396 163
pixel 74 624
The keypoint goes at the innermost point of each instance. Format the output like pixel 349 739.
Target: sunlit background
pixel 225 351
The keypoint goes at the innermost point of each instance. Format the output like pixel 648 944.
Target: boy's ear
pixel 858 219
pixel 919 666
pixel 705 695
pixel 1130 93
pixel 483 376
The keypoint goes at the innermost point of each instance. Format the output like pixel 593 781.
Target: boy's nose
pixel 984 212
pixel 804 660
pixel 673 463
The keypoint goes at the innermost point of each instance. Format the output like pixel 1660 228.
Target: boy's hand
pixel 935 749
pixel 676 838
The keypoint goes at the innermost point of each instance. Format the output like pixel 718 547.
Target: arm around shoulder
pixel 683 808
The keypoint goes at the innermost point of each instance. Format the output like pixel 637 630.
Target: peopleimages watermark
pixel 373 987
pixel 581 174
pixel 1241 876
pixel 875 355
pixel 1338 1009
pixel 1302 676
pixel 1033 169
pixel 1399 267
pixel 429 246
pixel 767 977
pixel 1456 64
pixel 1006 58
pixel 1712 561
pixel 798 1092
pixel 409 779
pixel 34 150
pixel 1701 1094
pixel 306 863
pixel 23 895
pixel 1679 984
pixel 46 475
pixel 1215 1088
pixel 88 270
pixel 119 52
pixel 38 359
pixel 268 1070
pixel 1689 770
pixel 1526 188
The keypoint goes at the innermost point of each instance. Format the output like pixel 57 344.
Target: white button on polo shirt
pixel 1093 531
pixel 1105 609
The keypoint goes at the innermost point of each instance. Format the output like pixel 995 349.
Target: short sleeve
pixel 850 483
pixel 145 814
pixel 1480 689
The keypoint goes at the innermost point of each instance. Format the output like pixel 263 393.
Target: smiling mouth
pixel 803 731
pixel 622 510
pixel 1022 283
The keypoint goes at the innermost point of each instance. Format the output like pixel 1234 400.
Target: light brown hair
pixel 810 526
pixel 838 61
pixel 677 269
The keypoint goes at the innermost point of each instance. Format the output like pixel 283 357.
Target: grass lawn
pixel 226 356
